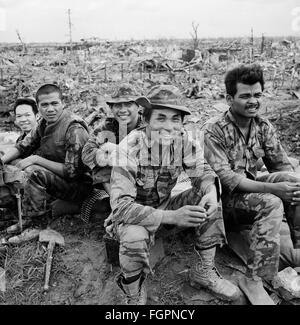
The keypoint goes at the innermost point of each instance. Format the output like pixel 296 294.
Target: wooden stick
pixel 49 264
pixel 18 196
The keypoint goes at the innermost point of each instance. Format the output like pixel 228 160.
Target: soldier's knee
pixel 273 202
pixel 41 176
pixel 134 233
pixel 31 169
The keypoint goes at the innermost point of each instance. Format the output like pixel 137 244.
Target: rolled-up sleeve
pixel 76 138
pixel 123 195
pixel 90 157
pixel 216 156
pixel 89 152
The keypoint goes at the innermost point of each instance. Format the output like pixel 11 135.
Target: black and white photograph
pixel 149 155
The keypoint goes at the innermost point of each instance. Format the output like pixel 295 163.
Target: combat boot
pixel 16 228
pixel 204 274
pixel 136 293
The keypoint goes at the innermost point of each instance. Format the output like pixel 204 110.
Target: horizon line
pixel 90 39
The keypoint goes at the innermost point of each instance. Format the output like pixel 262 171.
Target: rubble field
pixel 80 272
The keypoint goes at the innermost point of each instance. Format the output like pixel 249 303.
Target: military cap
pixel 123 93
pixel 164 96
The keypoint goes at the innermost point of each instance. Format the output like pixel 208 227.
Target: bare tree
pixel 70 29
pixel 194 35
pixel 23 44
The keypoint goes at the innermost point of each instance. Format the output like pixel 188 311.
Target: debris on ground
pixel 81 272
pixel 287 282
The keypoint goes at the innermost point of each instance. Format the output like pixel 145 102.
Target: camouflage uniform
pixel 21 137
pixel 233 159
pixel 141 188
pixel 89 152
pixel 60 142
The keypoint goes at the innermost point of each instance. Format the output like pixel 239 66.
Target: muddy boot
pixel 16 229
pixel 255 292
pixel 204 274
pixel 135 292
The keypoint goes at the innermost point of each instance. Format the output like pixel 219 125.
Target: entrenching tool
pixel 3 263
pixel 52 237
pixel 19 204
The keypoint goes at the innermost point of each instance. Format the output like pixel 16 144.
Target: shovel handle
pixel 18 196
pixel 48 264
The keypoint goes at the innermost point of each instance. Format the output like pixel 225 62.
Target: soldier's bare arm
pixel 55 167
pixel 10 155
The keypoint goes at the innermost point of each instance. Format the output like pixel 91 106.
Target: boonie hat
pixel 124 93
pixel 164 96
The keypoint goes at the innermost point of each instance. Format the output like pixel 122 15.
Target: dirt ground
pixel 81 274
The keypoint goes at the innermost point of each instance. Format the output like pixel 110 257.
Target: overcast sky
pixel 47 21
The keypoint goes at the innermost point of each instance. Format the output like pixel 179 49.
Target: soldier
pixel 26 111
pixel 148 163
pixel 234 142
pixel 105 138
pixel 57 170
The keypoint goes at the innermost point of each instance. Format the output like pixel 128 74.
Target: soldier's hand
pixel 287 191
pixel 187 216
pixel 108 220
pixel 296 197
pixel 109 147
pixel 108 225
pixel 210 203
pixel 109 230
pixel 104 154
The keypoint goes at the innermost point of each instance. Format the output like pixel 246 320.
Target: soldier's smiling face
pixel 165 124
pixel 126 113
pixel 247 100
pixel 25 117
